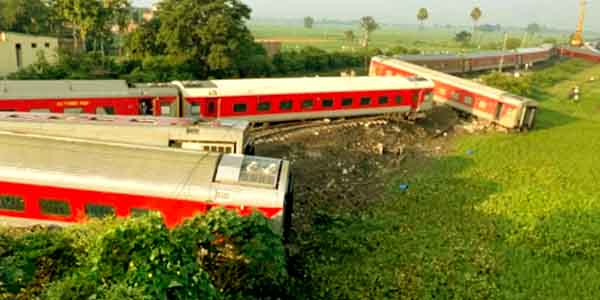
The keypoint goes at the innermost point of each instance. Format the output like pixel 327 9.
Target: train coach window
pixel 195 109
pixel 468 100
pixel 105 110
pixel 455 96
pixel 327 103
pixel 73 110
pixel 99 211
pixel 165 109
pixel 240 107
pixel 10 202
pixel 264 106
pixel 365 101
pixel 55 207
pixel 140 212
pixel 398 99
pixel 285 105
pixel 347 102
pixel 307 104
pixel 384 100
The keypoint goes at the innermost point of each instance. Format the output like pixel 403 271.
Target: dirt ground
pixel 347 169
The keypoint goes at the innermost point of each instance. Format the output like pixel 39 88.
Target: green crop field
pixel 504 216
pixel 331 37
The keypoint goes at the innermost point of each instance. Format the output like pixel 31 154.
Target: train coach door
pixel 146 107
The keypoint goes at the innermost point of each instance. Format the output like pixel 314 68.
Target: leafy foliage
pixel 211 33
pixel 27 16
pixel 463 37
pixel 214 256
pixel 422 16
pixel 309 22
pixel 368 25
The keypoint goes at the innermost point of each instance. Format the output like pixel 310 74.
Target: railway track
pixel 282 132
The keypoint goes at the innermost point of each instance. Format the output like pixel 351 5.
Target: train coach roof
pixel 280 86
pixel 49 89
pixel 532 50
pixel 486 54
pixel 157 172
pixel 428 57
pixel 463 84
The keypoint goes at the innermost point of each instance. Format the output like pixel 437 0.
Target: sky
pixel 557 13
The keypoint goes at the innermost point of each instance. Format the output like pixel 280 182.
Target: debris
pixel 403 187
pixel 470 152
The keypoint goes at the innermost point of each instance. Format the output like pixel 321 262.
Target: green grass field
pixel 331 37
pixel 504 216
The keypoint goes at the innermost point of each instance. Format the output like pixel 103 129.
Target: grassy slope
pixel 519 218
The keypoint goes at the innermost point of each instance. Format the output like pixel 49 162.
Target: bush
pixel 213 256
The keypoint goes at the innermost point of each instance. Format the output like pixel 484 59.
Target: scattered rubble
pixel 346 168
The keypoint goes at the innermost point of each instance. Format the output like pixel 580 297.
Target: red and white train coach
pixel 286 99
pixel 48 180
pixel 582 53
pixel 112 97
pixel 502 108
pixel 257 100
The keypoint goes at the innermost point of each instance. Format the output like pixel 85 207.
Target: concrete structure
pixel 20 50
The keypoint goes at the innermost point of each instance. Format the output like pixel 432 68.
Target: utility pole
pixel 503 51
pixel 524 40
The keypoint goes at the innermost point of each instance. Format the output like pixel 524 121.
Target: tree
pixel 368 25
pixel 476 14
pixel 212 33
pixel 26 16
pixel 463 37
pixel 82 16
pixel 309 22
pixel 422 16
pixel 349 36
pixel 144 40
pixel 533 28
pixel 513 43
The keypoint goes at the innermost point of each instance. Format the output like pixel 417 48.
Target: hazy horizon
pixel 557 14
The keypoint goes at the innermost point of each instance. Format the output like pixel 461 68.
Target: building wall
pixel 30 47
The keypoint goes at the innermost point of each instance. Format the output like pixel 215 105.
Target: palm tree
pixel 422 16
pixel 476 15
pixel 368 25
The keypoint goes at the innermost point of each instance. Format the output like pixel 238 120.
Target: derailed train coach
pixel 481 61
pixel 185 133
pixel 254 100
pixel 57 181
pixel 497 106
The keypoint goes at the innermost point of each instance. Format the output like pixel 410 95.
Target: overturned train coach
pixel 255 100
pixel 227 136
pixel 497 106
pixel 50 181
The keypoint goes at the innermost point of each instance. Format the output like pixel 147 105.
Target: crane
pixel 577 37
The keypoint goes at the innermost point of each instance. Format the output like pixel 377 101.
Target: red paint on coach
pixel 174 211
pixel 117 106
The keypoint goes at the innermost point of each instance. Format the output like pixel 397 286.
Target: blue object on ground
pixel 403 187
pixel 470 152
